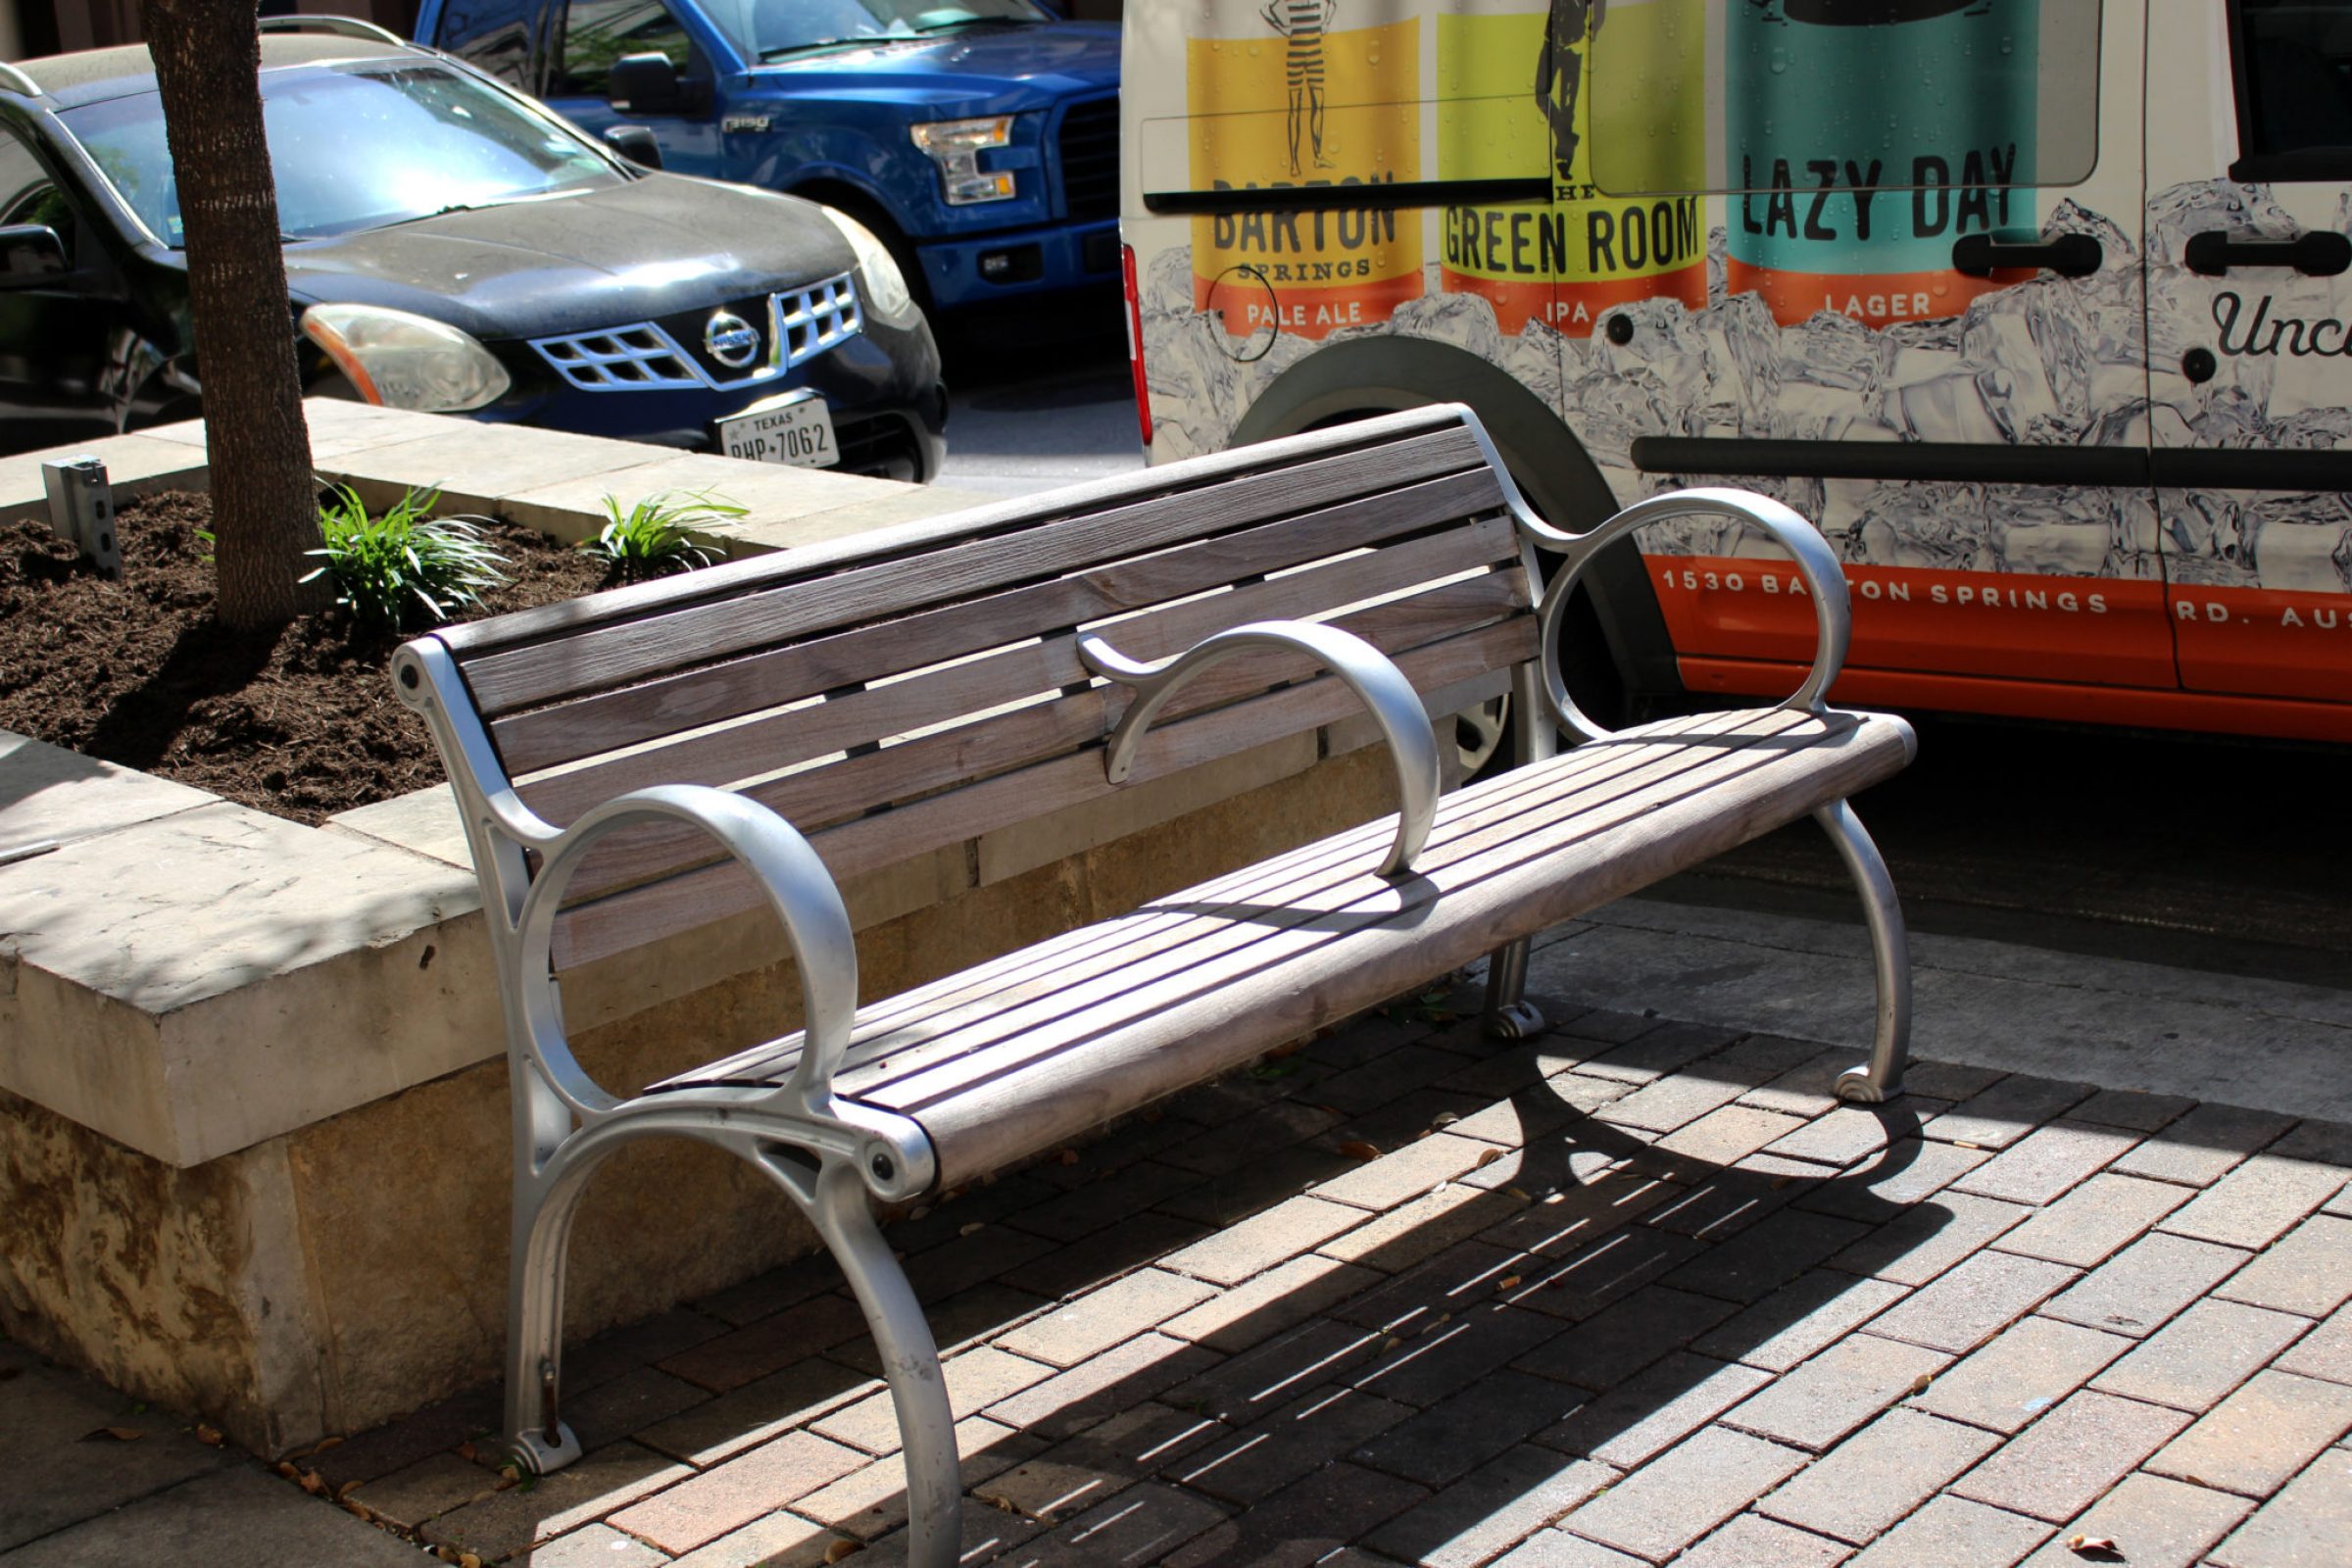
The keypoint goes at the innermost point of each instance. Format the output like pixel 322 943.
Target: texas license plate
pixel 796 428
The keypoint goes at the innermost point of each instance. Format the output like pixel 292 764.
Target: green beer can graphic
pixel 1513 101
pixel 1864 138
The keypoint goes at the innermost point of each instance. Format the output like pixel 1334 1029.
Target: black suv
pixel 450 246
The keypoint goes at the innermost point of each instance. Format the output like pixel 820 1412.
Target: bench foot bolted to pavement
pixel 742 735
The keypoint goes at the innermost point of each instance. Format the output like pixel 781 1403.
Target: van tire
pixel 1614 643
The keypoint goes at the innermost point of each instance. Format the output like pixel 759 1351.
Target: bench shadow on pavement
pixel 1575 1296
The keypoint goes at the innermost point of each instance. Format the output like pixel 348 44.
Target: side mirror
pixel 643 84
pixel 635 143
pixel 30 254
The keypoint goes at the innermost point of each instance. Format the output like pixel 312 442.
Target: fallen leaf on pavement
pixel 210 1436
pixel 1486 1158
pixel 842 1548
pixel 115 1434
pixel 2089 1544
pixel 1919 1384
pixel 1357 1149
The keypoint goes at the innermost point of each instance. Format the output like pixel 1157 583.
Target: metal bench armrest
pixel 1393 704
pixel 799 889
pixel 1816 562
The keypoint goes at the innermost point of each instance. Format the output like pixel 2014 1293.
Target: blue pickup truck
pixel 979 138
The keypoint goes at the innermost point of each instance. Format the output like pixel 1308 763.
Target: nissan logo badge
pixel 732 341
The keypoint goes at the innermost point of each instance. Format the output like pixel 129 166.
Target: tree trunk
pixel 265 503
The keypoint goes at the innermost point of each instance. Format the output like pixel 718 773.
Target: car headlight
pixel 955 145
pixel 405 362
pixel 886 292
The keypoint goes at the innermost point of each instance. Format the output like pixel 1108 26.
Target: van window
pixel 1828 94
pixel 2294 89
pixel 493 35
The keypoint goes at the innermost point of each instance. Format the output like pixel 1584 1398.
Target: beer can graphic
pixel 1304 92
pixel 1863 137
pixel 1513 101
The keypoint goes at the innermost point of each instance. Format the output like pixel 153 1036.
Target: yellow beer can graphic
pixel 1512 103
pixel 1283 93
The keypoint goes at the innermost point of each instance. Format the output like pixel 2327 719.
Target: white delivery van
pixel 2038 307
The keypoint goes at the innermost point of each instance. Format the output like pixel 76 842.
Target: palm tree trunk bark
pixel 265 505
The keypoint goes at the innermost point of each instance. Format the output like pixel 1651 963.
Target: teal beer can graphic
pixel 1864 138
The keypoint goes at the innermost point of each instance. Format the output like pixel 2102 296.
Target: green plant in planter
pixel 387 569
pixel 656 535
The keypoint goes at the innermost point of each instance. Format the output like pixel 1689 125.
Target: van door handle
pixel 2069 255
pixel 2318 255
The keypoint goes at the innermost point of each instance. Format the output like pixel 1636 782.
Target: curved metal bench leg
pixel 840 1209
pixel 1891 952
pixel 544 1209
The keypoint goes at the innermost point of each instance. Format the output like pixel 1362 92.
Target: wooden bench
pixel 904 692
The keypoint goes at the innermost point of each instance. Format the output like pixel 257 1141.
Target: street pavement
pixel 1635 1292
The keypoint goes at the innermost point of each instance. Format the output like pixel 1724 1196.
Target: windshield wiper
pixel 869 40
pixel 962 22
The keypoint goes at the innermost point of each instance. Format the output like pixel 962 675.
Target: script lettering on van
pixel 2290 335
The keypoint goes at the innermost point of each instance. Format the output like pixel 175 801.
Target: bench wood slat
pixel 1095 1072
pixel 660 642
pixel 993 1103
pixel 1343 859
pixel 951 759
pixel 1315 879
pixel 913 703
pixel 988 521
pixel 612 924
pixel 607 720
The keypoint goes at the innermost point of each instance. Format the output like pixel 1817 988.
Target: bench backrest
pixel 899 692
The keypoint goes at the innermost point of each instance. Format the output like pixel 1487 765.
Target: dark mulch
pixel 300 723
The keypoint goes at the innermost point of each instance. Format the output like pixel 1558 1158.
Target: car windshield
pixel 356 146
pixel 766 29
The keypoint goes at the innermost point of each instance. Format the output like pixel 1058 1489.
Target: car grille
pixel 1090 158
pixel 881 445
pixel 669 354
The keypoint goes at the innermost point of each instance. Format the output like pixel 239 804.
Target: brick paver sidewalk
pixel 1637 1293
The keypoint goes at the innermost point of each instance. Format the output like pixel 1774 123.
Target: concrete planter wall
pixel 253 1109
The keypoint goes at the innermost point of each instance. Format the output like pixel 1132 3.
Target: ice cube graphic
pixel 1926 525
pixel 1467 320
pixel 2035 530
pixel 2301 543
pixel 2204 538
pixel 2177 213
pixel 1829 372
pixel 1950 408
pixel 2040 336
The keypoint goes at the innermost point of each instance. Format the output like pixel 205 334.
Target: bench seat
pixel 1045 1043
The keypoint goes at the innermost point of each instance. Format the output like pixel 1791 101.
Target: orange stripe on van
pixel 2280 718
pixel 1574 309
pixel 1877 299
pixel 1249 305
pixel 2094 630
